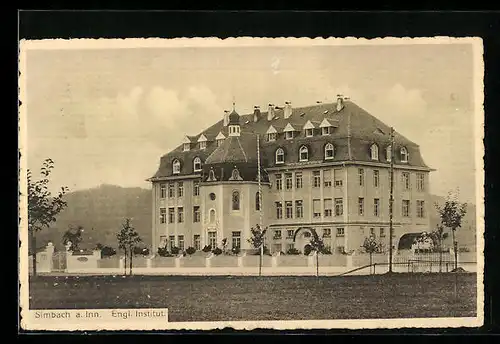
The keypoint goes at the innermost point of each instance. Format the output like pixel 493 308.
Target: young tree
pixel 128 238
pixel 73 236
pixel 42 206
pixel 451 214
pixel 257 241
pixel 224 245
pixel 371 246
pixel 437 236
pixel 317 245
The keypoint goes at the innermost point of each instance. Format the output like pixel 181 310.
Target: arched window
pixel 176 166
pixel 329 151
pixel 388 153
pixel 303 153
pixel 280 156
pixel 236 200
pixel 197 164
pixel 257 201
pixel 212 216
pixel 235 175
pixel 404 154
pixel 374 151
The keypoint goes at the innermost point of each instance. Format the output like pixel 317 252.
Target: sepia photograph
pixel 251 183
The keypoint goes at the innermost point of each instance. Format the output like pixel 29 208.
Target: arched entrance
pixel 302 237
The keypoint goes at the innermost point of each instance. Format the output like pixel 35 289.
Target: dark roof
pixel 234 118
pixel 235 149
pixel 351 121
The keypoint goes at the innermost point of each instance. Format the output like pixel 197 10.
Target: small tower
pixel 234 123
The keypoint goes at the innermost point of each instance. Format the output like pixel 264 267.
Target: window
pixel 186 147
pixel 236 239
pixel 176 167
pixel 374 151
pixel 212 216
pixel 212 239
pixel 338 177
pixel 171 241
pixel 376 207
pixel 171 187
pixel 271 137
pixel 163 190
pixel 382 232
pixel 298 180
pixel 289 234
pixel 257 201
pixel 181 242
pixel 388 153
pixel 327 178
pixel 404 154
pixel 329 151
pixel 279 182
pixel 328 207
pixel 361 174
pixel 339 206
pixel 211 176
pixel 327 232
pixel 288 181
pixel 405 208
pixel 197 242
pixel 361 206
pixel 290 246
pixel 236 200
pixel 420 209
pixel 220 142
pixel 180 214
pixel 196 188
pixel 316 208
pixel 203 144
pixel 340 232
pixel 171 215
pixel 420 181
pixel 196 214
pixel 280 156
pixel 277 235
pixel 309 132
pixel 279 210
pixel 405 176
pixel 288 209
pixel 180 189
pixel 372 232
pixel 303 153
pixel 299 209
pixel 316 179
pixel 277 247
pixel 288 135
pixel 163 215
pixel 163 241
pixel 325 131
pixel 197 164
pixel 235 175
pixel 376 178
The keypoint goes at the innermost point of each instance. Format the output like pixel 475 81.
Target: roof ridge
pixel 243 151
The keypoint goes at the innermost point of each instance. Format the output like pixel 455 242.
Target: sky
pixel 106 116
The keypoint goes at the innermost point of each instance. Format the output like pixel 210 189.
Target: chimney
pixel 288 109
pixel 226 118
pixel 340 102
pixel 256 113
pixel 270 112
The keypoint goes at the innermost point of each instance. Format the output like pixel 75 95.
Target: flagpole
pixel 391 198
pixel 260 203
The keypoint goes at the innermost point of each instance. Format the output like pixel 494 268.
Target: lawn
pixel 220 298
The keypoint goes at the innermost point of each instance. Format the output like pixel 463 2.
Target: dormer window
pixel 186 147
pixel 219 142
pixel 309 132
pixel 211 176
pixel 404 154
pixel 374 151
pixel 271 137
pixel 308 129
pixel 202 141
pixel 329 151
pixel 220 139
pixel 289 135
pixel 203 145
pixel 176 166
pixel 280 156
pixel 197 164
pixel 235 175
pixel 303 153
pixel 325 131
pixel 388 153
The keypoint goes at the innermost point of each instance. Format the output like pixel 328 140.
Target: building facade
pixel 325 166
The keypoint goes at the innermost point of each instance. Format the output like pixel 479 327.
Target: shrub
pixel 107 251
pixel 99 246
pixel 163 252
pixel 293 251
pixel 190 250
pixel 144 251
pixel 207 248
pixel 236 250
pixel 326 250
pixel 175 250
pixel 307 249
pixel 217 251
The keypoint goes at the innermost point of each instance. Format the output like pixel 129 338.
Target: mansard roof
pixel 351 121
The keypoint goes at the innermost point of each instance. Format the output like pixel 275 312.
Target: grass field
pixel 265 298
